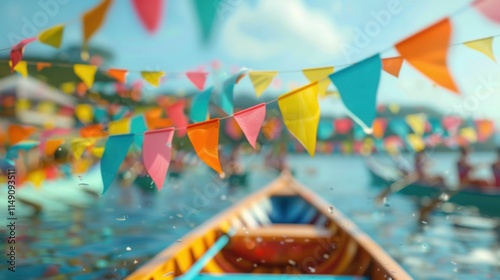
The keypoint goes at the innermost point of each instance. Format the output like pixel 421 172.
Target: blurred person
pixel 464 169
pixel 421 169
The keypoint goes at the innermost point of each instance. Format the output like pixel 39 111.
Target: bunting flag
pixel 97 151
pixel 119 74
pixel 24 145
pixel 115 151
pixel 484 46
pixel 250 121
pixel 415 142
pixel 206 12
pixel 392 65
pixel 95 130
pixel 358 132
pixel 93 19
pixel 379 126
pixel 451 124
pixel 261 80
pixel 232 129
pixel 42 65
pixel 360 97
pixel 138 127
pixel 157 153
pixel 417 123
pixel 79 145
pixel 489 8
pixel 52 36
pixel 16 53
pixel 394 108
pixel 149 12
pixel 399 127
pixel 427 51
pixel 152 77
pixel 199 106
pixel 52 145
pixel 325 129
pixel 21 68
pixel 84 113
pixel 86 73
pixel 119 126
pixel 343 126
pixel 205 139
pixel 300 111
pixel 17 133
pixel 469 134
pixel 226 96
pixel 197 78
pixel 485 129
pixel 320 75
pixel 176 113
pixel 36 177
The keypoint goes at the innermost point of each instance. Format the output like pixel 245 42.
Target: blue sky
pixel 281 35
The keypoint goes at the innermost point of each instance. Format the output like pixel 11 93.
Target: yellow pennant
pixel 261 80
pixel 152 77
pixel 320 75
pixel 300 111
pixel 21 68
pixel 97 151
pixel 52 36
pixel 417 123
pixel 469 133
pixel 394 108
pixel 484 46
pixel 84 113
pixel 119 127
pixel 78 146
pixel 86 73
pixel 23 104
pixel 68 87
pixel 416 142
pixel 36 177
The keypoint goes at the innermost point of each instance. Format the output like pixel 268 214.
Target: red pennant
pixel 392 65
pixel 176 113
pixel 250 120
pixel 16 53
pixel 197 78
pixel 343 126
pixel 150 13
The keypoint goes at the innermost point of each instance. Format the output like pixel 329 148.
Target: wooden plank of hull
pixel 337 245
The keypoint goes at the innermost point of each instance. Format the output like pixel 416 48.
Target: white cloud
pixel 273 28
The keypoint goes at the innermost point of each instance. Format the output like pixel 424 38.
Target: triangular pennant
pixel 484 46
pixel 379 126
pixel 416 142
pixel 485 129
pixel 138 127
pixel 360 97
pixel 199 106
pixel 41 65
pixel 95 130
pixel 86 73
pixel 320 75
pixel 205 139
pixel 119 126
pixel 93 19
pixel 261 80
pixel 84 113
pixel 149 12
pixel 451 124
pixel 226 96
pixel 489 8
pixel 18 133
pixel 115 151
pixel 97 151
pixel 52 145
pixel 16 53
pixel 157 153
pixel 417 123
pixel 250 121
pixel 392 65
pixel 343 126
pixel 78 146
pixel 469 134
pixel 206 12
pixel 325 129
pixel 21 68
pixel 428 50
pixel 52 36
pixel 399 127
pixel 152 77
pixel 300 111
pixel 197 78
pixel 119 74
pixel 176 113
pixel 36 177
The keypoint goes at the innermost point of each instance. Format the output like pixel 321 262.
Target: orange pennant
pixel 51 146
pixel 93 19
pixel 392 65
pixel 119 74
pixel 41 65
pixel 91 131
pixel 18 133
pixel 205 139
pixel 427 51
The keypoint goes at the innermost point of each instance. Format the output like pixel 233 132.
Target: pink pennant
pixel 489 8
pixel 451 124
pixel 343 126
pixel 157 152
pixel 149 12
pixel 197 78
pixel 250 121
pixel 176 113
pixel 16 53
